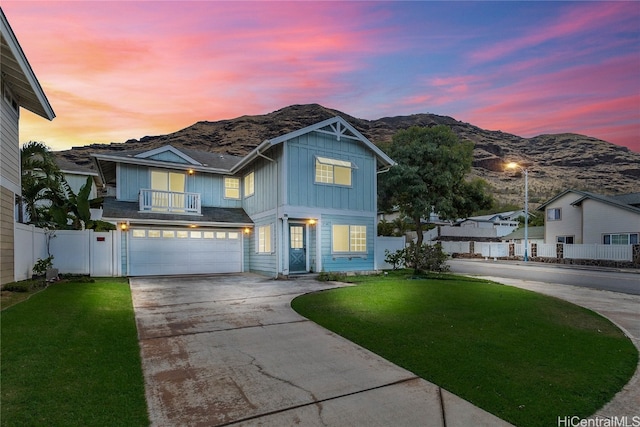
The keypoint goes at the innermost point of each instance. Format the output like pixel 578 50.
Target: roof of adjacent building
pixel 533 233
pixel 115 210
pixel 629 202
pixel 18 74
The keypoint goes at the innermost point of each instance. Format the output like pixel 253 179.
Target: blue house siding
pixel 301 185
pixel 262 262
pixel 344 262
pixel 132 178
pixel 266 183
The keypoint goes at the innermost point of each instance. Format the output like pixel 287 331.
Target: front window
pixel 249 187
pixel 231 188
pixel 565 239
pixel 349 238
pixel 621 239
pixel 264 240
pixel 332 171
pixel 554 214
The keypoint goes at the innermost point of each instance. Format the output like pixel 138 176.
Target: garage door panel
pixel 190 255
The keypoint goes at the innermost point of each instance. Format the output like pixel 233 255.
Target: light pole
pixel 514 165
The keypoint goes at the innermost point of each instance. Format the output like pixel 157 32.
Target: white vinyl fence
pixel 74 251
pixel 600 252
pixel 491 250
pixel 391 244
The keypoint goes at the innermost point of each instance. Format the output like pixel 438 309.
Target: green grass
pixel 70 357
pixel 522 356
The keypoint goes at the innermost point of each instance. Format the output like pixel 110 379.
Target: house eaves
pixel 18 75
pixel 543 206
pixel 606 200
pixel 339 128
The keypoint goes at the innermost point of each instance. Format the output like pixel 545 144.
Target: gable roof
pixel 617 202
pixel 336 126
pixel 630 202
pixel 18 74
pixel 532 233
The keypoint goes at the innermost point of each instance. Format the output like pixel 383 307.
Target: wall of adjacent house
pixel 132 178
pixel 601 218
pixel 76 182
pixel 570 223
pixel 302 190
pixel 9 181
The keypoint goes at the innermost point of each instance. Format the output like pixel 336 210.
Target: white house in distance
pixel 20 88
pixel 580 217
pixel 503 222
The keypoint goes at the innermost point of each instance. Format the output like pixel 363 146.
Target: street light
pixel 514 165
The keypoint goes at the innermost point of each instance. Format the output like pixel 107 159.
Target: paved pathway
pixel 229 350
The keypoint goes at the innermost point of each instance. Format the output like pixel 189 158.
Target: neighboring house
pixel 534 235
pixel 76 176
pixel 580 217
pixel 304 201
pixel 19 87
pixel 503 222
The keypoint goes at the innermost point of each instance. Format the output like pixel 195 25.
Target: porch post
pixel 285 245
pixel 319 245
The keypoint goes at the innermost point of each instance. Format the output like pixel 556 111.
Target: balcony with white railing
pixel 169 202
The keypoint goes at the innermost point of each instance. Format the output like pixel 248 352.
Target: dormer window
pixel 333 171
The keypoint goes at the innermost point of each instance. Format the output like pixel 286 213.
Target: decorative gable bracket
pixel 178 156
pixel 339 130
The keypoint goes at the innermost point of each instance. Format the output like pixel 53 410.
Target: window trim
pixel 225 187
pixel 264 237
pixel 618 235
pixel 333 163
pixel 559 218
pixel 248 192
pixel 350 243
pixel 573 238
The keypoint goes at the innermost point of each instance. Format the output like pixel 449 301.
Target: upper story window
pixel 231 188
pixel 249 185
pixel 167 181
pixel 621 239
pixel 332 171
pixel 554 214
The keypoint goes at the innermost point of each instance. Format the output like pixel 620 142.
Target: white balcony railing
pixel 169 202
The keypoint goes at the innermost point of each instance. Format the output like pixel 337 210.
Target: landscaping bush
pixel 17 287
pixel 421 258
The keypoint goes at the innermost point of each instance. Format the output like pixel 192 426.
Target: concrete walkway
pixel 229 350
pixel 621 309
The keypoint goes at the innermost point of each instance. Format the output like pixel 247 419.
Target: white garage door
pixel 155 251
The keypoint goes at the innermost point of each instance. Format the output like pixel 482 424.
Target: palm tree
pixel 42 180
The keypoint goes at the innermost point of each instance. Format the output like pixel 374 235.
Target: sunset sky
pixel 117 70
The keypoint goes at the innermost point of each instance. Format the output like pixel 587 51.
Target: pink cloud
pixel 578 19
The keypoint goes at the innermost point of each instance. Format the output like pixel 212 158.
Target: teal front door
pixel 297 249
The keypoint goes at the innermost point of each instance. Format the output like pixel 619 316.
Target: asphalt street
pixel 615 280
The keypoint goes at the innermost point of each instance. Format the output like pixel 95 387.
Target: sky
pixel 119 70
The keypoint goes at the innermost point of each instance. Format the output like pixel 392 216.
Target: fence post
pixel 559 250
pixel 534 249
pixel 635 254
pixel 472 247
pixel 512 249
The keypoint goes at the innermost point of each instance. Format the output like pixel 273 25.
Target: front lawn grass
pixel 70 357
pixel 522 356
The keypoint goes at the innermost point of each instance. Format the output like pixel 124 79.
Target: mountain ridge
pixel 555 161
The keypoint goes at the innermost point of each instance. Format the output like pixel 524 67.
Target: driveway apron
pixel 229 350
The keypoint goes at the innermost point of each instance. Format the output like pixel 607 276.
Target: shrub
pixel 420 258
pixel 331 276
pixel 17 287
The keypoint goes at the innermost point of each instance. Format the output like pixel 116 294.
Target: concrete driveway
pixel 229 350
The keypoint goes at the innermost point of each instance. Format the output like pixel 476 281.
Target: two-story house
pixel 304 201
pixel 19 87
pixel 580 217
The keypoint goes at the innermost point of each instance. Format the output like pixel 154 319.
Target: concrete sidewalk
pixel 229 350
pixel 621 309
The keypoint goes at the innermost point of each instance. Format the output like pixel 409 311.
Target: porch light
pixel 124 226
pixel 191 171
pixel 312 222
pixel 247 230
pixel 192 226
